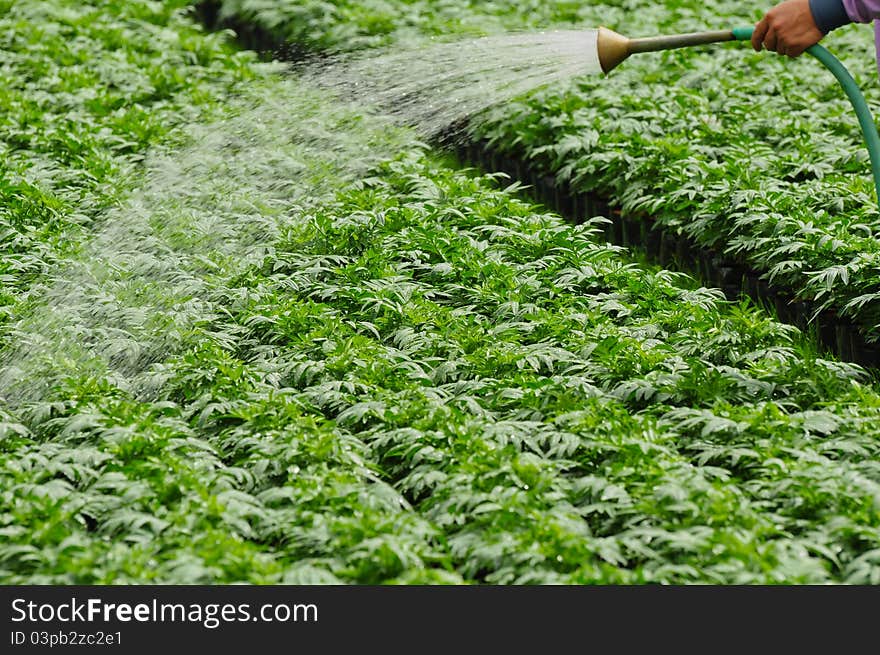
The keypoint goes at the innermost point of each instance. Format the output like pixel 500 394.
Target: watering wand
pixel 614 48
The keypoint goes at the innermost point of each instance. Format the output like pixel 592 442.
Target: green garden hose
pixel 866 120
pixel 614 48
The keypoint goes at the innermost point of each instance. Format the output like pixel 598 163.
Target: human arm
pixel 790 27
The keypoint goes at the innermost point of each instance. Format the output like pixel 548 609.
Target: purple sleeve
pixel 862 11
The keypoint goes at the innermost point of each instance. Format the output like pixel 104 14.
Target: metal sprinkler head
pixel 613 48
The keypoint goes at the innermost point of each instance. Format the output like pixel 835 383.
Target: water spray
pixel 613 48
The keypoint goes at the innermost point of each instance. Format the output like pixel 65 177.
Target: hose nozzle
pixel 613 48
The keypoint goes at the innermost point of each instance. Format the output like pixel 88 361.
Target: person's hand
pixel 788 29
